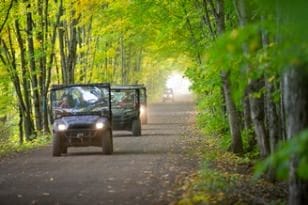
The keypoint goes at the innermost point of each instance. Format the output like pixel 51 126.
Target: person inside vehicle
pixel 66 102
pixel 127 100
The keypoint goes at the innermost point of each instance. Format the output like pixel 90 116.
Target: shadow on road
pixel 144 135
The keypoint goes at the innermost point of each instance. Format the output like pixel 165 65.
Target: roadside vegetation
pixel 224 177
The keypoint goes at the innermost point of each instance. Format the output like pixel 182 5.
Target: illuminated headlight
pixel 142 110
pixel 62 127
pixel 99 125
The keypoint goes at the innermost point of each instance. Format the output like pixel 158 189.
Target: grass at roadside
pixel 225 178
pixel 12 145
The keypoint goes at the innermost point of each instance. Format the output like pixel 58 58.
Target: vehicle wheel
pixel 56 145
pixel 64 149
pixel 107 143
pixel 136 127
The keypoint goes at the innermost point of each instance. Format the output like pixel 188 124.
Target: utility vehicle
pixel 81 116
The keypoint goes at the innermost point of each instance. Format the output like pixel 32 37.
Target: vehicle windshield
pixel 168 91
pixel 80 99
pixel 142 97
pixel 123 98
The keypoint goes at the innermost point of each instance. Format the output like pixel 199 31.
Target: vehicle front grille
pixel 82 126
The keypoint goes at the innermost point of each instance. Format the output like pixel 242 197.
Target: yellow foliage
pixel 295 61
pixel 230 48
pixel 111 52
pixel 185 201
pixel 254 45
pixel 200 197
pixel 234 34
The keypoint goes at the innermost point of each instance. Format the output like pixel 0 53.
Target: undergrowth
pixel 226 178
pixel 12 145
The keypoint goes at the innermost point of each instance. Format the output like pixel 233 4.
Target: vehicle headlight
pixel 142 110
pixel 62 127
pixel 99 125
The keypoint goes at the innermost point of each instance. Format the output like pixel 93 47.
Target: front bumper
pixel 81 137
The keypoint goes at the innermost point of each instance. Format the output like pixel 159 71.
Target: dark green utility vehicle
pixel 125 102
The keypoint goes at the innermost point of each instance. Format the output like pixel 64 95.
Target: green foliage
pixel 214 180
pixel 211 116
pixel 280 160
pixel 13 145
pixel 5 91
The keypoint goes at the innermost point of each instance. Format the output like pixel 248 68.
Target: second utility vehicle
pixel 126 109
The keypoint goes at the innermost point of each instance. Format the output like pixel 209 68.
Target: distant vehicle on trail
pixel 168 95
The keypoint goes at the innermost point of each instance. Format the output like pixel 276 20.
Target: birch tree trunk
pixel 256 99
pixel 295 103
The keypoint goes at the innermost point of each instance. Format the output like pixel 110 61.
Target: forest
pixel 246 59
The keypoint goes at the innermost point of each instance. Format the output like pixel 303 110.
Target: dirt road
pixel 142 170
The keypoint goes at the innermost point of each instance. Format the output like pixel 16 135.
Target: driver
pixel 66 102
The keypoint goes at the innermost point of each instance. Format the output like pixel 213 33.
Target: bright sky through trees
pixel 179 83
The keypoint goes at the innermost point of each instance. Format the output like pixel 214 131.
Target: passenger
pixel 66 102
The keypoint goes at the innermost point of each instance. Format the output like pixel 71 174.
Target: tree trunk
pixel 234 121
pixel 233 114
pixel 34 78
pixel 256 100
pixel 20 125
pixel 273 122
pixel 72 49
pixel 27 110
pixel 248 122
pixel 122 60
pixel 295 103
pixel 10 63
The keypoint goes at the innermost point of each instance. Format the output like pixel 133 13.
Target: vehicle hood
pixel 86 119
pixel 121 111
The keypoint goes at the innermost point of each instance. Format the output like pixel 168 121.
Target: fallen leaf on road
pixel 46 194
pixel 33 202
pixel 140 182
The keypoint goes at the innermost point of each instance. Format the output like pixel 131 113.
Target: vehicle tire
pixel 56 145
pixel 64 149
pixel 136 127
pixel 107 142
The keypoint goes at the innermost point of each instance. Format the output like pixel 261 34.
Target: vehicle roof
pixel 60 86
pixel 128 87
